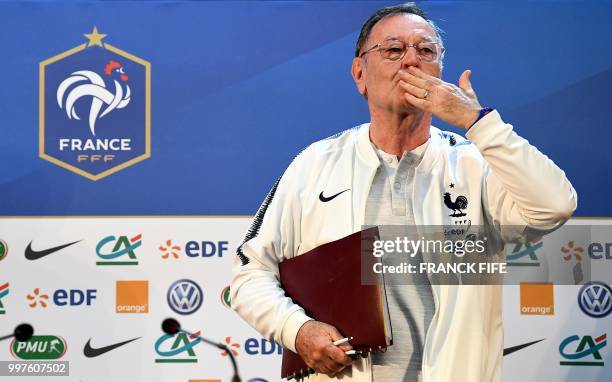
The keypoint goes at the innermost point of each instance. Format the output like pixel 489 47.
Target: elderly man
pixel 400 170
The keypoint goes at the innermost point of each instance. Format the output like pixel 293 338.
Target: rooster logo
pixel 95 87
pixel 457 206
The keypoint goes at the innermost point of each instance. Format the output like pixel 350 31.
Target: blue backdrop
pixel 238 88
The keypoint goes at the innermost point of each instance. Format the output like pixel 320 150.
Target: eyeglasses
pixel 394 50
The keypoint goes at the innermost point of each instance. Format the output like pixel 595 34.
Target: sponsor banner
pixel 111 315
pixel 109 312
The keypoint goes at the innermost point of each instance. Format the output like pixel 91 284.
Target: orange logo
pixel 132 296
pixel 38 298
pixel 230 345
pixel 169 249
pixel 537 299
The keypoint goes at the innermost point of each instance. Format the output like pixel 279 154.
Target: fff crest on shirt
pixel 95 108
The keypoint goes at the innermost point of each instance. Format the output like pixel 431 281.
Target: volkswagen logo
pixel 185 296
pixel 595 299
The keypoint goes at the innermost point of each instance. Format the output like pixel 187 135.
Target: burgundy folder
pixel 326 282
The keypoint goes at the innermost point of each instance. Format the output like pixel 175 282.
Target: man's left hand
pixel 457 105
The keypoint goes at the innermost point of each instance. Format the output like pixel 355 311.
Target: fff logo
pixel 95 108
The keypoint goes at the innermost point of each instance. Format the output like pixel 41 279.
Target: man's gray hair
pixel 406 8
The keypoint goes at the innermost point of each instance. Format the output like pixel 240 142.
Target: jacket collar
pixel 365 150
pixel 367 154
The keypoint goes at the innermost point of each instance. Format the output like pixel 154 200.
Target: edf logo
pixel 74 297
pixel 253 346
pixel 193 249
pixel 62 297
pixel 206 248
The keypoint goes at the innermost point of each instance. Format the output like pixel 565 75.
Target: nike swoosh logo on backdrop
pixel 327 199
pixel 90 352
pixel 31 254
pixel 512 349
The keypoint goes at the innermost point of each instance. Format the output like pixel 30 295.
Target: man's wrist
pixel 292 326
pixel 484 111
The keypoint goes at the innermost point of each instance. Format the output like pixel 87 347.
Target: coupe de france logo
pixel 95 108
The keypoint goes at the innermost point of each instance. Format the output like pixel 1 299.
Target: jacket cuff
pixel 486 129
pixel 290 330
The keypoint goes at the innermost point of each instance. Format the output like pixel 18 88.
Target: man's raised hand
pixel 457 105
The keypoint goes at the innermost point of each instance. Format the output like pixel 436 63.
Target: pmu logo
pixel 185 296
pixel 524 254
pixel 111 248
pixel 177 348
pixel 95 108
pixel 39 347
pixel 587 350
pixel 595 299
pixel 4 291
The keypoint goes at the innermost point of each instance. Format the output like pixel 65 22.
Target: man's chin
pixel 409 109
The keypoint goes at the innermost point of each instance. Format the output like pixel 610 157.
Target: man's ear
pixel 357 72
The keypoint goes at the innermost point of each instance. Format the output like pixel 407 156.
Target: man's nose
pixel 410 58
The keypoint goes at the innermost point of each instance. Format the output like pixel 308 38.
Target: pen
pixel 342 341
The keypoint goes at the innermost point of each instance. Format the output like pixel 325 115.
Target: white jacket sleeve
pixel 523 187
pixel 256 293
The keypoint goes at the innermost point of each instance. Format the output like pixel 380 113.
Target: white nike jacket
pixel 506 181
